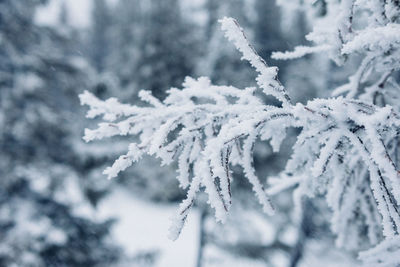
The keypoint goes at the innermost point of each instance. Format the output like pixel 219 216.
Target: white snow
pixel 143 226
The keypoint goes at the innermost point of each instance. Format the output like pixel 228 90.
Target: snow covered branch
pixel 344 151
pixel 267 78
pixel 378 41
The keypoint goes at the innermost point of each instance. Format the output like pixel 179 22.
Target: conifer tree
pixel 40 192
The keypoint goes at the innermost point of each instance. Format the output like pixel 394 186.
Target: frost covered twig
pixel 342 150
pixel 378 41
pixel 370 30
pixel 268 76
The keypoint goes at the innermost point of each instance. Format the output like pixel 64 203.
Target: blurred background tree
pixel 45 211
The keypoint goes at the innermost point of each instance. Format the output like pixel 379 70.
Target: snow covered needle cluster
pixel 346 150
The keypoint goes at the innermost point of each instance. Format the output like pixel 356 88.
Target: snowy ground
pixel 143 226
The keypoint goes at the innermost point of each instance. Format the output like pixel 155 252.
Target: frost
pixel 134 154
pixel 377 39
pixel 300 51
pixel 346 148
pixel 267 78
